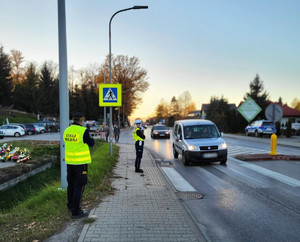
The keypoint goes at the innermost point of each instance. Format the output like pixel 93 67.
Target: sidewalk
pixel 143 208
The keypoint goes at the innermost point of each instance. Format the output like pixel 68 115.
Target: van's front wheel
pixel 175 153
pixel 185 160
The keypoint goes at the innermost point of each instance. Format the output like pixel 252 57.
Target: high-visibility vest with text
pixel 135 136
pixel 76 152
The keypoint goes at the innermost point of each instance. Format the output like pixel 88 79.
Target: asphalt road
pixel 242 201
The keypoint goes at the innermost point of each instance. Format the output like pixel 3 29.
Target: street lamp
pixel 110 108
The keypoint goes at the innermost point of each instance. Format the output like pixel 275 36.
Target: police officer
pixel 139 138
pixel 77 156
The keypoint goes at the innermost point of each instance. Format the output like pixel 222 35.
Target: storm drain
pixel 164 163
pixel 189 195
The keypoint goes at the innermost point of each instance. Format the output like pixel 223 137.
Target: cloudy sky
pixel 209 48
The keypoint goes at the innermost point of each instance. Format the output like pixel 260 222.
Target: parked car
pixel 198 140
pixel 260 127
pixel 31 129
pixel 40 128
pixel 21 125
pixel 1 134
pixel 296 128
pixel 160 131
pixel 12 130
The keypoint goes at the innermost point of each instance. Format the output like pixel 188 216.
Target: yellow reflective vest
pixel 135 136
pixel 76 152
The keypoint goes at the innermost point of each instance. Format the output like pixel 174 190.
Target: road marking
pixel 178 181
pixel 275 175
pixel 212 180
pixel 241 177
pixel 235 150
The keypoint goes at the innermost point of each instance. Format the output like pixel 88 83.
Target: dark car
pixel 160 131
pixel 1 134
pixel 31 129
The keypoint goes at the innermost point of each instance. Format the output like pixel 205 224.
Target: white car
pixel 12 130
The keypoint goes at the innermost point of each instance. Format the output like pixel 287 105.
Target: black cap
pixel 78 116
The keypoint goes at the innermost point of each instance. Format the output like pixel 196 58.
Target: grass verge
pixel 44 212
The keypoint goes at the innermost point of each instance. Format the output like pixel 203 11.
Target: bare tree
pixel 17 71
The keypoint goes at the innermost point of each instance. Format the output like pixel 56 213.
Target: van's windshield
pixel 200 132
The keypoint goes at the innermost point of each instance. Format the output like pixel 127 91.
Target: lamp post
pixel 110 108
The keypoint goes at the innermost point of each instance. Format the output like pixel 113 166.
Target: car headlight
pixel 167 132
pixel 155 132
pixel 192 147
pixel 223 145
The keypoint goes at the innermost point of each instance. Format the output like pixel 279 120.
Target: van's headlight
pixel 192 147
pixel 223 145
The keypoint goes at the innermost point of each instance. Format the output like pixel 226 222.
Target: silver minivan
pixel 198 140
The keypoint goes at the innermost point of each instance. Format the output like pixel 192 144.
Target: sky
pixel 210 48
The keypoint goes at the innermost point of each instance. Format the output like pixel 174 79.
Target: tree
pixel 26 94
pixel 17 71
pixel 218 112
pixel 126 71
pixel 162 111
pixel 184 100
pixel 48 99
pixel 175 108
pixel 296 104
pixel 258 94
pixel 5 79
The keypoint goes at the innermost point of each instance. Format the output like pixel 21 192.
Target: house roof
pixel 290 112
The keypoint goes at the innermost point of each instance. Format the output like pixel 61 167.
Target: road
pixel 242 201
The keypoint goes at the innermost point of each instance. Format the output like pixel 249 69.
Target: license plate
pixel 162 134
pixel 269 129
pixel 210 155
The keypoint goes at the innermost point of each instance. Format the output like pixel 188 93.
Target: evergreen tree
pixel 259 95
pixel 46 91
pixel 218 112
pixel 5 79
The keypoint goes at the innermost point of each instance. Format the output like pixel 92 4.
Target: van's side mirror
pixel 178 137
pixel 222 134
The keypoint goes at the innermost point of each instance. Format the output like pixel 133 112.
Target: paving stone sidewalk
pixel 143 208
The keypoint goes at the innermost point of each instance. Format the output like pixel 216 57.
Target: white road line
pixel 213 181
pixel 178 181
pixel 277 176
pixel 241 177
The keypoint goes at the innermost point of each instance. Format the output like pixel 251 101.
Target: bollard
pixel 273 144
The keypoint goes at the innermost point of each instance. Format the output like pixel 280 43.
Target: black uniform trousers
pixel 77 179
pixel 139 153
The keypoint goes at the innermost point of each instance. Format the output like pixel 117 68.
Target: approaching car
pixel 160 131
pixel 31 129
pixel 260 127
pixel 12 130
pixel 198 140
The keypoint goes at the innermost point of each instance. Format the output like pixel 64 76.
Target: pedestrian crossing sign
pixel 110 95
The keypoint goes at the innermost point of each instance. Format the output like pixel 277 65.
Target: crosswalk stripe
pixel 242 177
pixel 212 180
pixel 275 175
pixel 178 181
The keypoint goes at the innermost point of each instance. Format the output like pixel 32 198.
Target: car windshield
pixel 268 123
pixel 200 132
pixel 161 127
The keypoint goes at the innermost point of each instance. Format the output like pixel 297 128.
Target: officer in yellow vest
pixel 139 138
pixel 77 156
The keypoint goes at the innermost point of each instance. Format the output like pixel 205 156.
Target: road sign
pixel 110 95
pixel 249 109
pixel 274 112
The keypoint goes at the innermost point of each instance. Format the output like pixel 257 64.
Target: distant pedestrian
pixel 107 132
pixel 77 156
pixel 139 138
pixel 117 132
